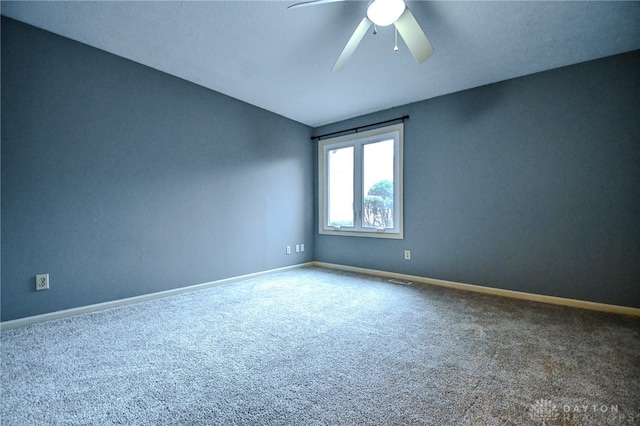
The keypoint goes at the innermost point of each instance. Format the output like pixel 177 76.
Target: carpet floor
pixel 313 346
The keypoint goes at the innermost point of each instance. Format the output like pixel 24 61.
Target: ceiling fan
pixel 382 13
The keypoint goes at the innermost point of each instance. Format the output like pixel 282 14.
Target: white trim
pixel 594 306
pixel 574 303
pixel 22 322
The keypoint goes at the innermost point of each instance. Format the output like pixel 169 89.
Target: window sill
pixel 345 233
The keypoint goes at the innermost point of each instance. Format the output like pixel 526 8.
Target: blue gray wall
pixel 531 184
pixel 119 180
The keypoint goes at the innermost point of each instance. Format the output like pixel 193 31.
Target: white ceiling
pixel 280 60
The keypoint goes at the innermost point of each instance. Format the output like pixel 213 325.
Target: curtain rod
pixel 357 129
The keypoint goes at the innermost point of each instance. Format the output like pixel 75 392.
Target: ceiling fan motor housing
pixel 385 12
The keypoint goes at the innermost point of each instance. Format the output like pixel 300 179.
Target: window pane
pixel 378 185
pixel 340 188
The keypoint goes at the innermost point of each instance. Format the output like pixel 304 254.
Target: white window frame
pixel 358 140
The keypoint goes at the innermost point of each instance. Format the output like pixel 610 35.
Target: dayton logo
pixel 543 410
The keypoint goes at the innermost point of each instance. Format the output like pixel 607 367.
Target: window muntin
pixel 360 179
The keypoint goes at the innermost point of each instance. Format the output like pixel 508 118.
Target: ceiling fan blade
pixel 352 44
pixel 312 3
pixel 413 36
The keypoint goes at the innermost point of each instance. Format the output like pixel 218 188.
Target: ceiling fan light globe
pixel 385 12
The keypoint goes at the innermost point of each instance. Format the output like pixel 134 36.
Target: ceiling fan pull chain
pixel 395 48
pixel 375 29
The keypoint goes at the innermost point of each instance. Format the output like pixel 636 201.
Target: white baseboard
pixel 22 322
pixel 603 307
pixel 574 303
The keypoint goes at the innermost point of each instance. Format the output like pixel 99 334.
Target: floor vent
pixel 400 282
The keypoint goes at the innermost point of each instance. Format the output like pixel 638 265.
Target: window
pixel 360 184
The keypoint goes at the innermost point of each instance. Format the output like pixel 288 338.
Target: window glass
pixel 377 167
pixel 340 179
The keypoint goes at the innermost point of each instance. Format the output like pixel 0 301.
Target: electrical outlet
pixel 297 248
pixel 42 282
pixel 301 247
pixel 288 249
pixel 407 255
